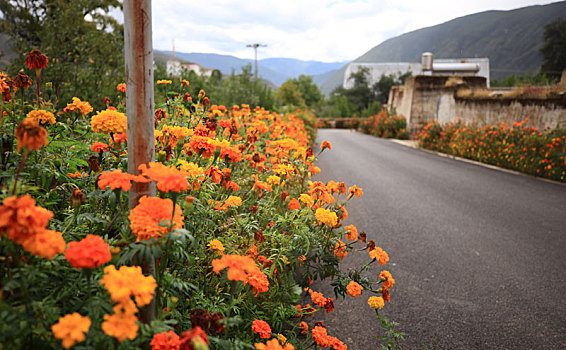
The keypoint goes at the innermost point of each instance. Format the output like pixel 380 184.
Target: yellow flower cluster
pixel 109 121
pixel 41 116
pixel 326 216
pixel 83 107
pixel 71 329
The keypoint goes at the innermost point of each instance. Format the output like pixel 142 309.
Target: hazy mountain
pixel 276 70
pixel 510 39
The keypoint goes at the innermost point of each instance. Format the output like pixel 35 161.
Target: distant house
pixel 437 67
pixel 176 67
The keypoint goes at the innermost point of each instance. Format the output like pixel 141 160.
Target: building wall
pixel 424 99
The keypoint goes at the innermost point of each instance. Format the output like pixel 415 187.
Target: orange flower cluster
pixel 90 252
pixel 149 213
pixel 165 341
pixel 31 135
pixel 340 250
pixel 352 234
pixel 262 328
pixel 167 178
pixel 322 339
pixel 26 224
pixel 71 329
pixel 121 87
pixel 354 289
pixel 99 147
pixel 325 216
pixel 109 121
pixel 242 268
pixel 116 179
pixel 355 191
pixel 121 324
pixel 319 299
pixel 379 254
pixel 41 116
pixel 274 344
pixel 387 279
pixel 127 282
pixel 83 107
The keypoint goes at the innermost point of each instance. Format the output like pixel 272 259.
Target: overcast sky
pixel 321 30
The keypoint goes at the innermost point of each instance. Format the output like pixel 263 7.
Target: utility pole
pixel 255 46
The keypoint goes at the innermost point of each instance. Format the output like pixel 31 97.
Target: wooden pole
pixel 138 53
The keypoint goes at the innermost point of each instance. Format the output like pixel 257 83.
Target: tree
pixel 84 44
pixel 309 90
pixel 386 82
pixel 554 49
pixel 288 94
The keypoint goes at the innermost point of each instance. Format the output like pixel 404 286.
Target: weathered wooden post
pixel 139 107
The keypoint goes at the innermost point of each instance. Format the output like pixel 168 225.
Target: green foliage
pixel 299 92
pixel 83 44
pixel 512 80
pixel 554 49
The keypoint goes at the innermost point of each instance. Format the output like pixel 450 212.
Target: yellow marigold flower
pixel 380 255
pixel 121 325
pixel 216 245
pixel 352 234
pixel 326 216
pixel 167 178
pixel 149 213
pixel 376 302
pixel 284 169
pixel 109 121
pixel 282 339
pixel 83 107
pixel 305 198
pixel 71 329
pixel 164 82
pixel 41 116
pixel 192 169
pixel 233 201
pixel 274 180
pixel 354 289
pixel 128 282
pixel 45 244
pixel 31 135
pixel 387 279
pixel 355 191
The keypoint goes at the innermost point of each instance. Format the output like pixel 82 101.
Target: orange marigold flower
pixel 41 116
pixel 83 107
pixel 239 266
pixel 76 174
pixel 344 213
pixel 164 82
pixel 115 179
pixel 294 204
pixel 120 325
pixel 36 60
pixel 376 302
pixel 317 297
pixel 387 279
pixel 352 234
pixel 320 336
pixel 167 178
pixel 233 201
pixel 273 344
pixel 340 250
pixel 354 289
pixel 380 255
pixel 165 341
pixel 262 328
pixel 214 173
pixel 258 280
pixel 71 329
pixel 109 121
pixel 99 147
pixel 128 282
pixel 355 191
pixel 31 135
pixel 325 144
pixel 149 213
pixel 90 252
pixel 304 327
pixel 201 145
pixel 45 244
pixel 21 219
pixel 121 87
pixel 195 338
pixel 253 251
pixel 326 216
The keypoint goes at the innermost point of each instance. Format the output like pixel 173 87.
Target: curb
pixel 414 144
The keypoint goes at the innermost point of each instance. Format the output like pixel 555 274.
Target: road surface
pixel 478 255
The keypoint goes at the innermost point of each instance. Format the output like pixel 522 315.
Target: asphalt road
pixel 478 255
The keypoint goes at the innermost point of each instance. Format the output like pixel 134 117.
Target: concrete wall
pixel 424 99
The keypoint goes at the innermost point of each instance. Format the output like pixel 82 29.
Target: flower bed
pixel 517 147
pixel 229 244
pixel 386 125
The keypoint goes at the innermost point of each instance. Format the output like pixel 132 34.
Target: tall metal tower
pixel 255 46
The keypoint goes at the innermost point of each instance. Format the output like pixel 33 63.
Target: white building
pixel 459 66
pixel 176 67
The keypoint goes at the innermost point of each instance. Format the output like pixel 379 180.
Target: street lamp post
pixel 255 46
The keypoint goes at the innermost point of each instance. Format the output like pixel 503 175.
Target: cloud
pixel 319 30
